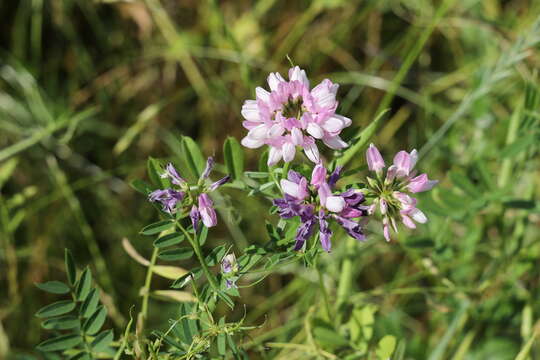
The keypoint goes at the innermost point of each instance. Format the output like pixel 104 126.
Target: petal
pixel 274 79
pixel 335 142
pixel 374 159
pixel 312 152
pixel 418 216
pixel 402 161
pixel 296 136
pixel 298 74
pixel 408 222
pixel 315 130
pixel 262 94
pixel 251 143
pixel 290 188
pixel 274 156
pixel 259 132
pixel 335 203
pixel 318 176
pixel 288 152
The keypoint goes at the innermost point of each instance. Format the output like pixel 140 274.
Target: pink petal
pixel 288 151
pixel 335 203
pixel 335 142
pixel 274 79
pixel 311 151
pixel 274 155
pixel 251 143
pixel 297 137
pixel 315 130
pixel 262 94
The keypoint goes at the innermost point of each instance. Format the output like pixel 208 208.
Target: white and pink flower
pixel 292 115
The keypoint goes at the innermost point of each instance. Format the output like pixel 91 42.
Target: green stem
pixel 345 279
pixel 324 293
pixel 198 252
pixel 148 281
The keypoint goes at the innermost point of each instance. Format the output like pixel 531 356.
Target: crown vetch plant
pixel 314 203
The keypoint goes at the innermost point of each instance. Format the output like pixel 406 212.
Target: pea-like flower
pixel 185 196
pixel 392 192
pixel 316 203
pixel 291 115
pixel 229 269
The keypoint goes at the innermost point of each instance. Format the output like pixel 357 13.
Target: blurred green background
pixel 90 89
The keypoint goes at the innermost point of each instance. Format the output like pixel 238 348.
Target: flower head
pixel 392 192
pixel 315 203
pixel 194 197
pixel 291 115
pixel 229 269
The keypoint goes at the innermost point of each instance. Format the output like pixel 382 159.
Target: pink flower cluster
pixel 291 115
pixel 392 193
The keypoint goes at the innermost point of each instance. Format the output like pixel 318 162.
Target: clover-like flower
pixel 317 204
pixel 292 115
pixel 173 199
pixel 392 192
pixel 229 269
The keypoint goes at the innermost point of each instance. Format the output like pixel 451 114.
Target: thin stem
pixel 323 290
pixel 345 279
pixel 198 252
pixel 146 288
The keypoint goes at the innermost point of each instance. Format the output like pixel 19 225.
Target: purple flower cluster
pixel 392 192
pixel 316 204
pixel 172 200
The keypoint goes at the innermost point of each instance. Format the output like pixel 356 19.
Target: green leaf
pixel 60 343
pixel 71 270
pixel 327 335
pixel 61 323
pixel 90 303
pixel 176 254
pixel 102 340
pixel 53 287
pixel 155 169
pixel 193 155
pixel 169 240
pixel 234 157
pixel 202 235
pixel 519 145
pixel 55 309
pixel 95 321
pixel 84 285
pixel 215 255
pixel 157 227
pixel 140 186
pixel 81 356
pixel 221 344
pixel 386 347
pixel 362 139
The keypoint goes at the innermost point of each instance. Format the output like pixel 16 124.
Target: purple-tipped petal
pixel 353 228
pixel 324 232
pixel 195 217
pixel 421 183
pixel 220 182
pixel 172 174
pixel 374 159
pixel 294 176
pixel 303 233
pixel 208 169
pixel 168 198
pixel 334 177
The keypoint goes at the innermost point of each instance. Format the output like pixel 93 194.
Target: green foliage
pixel 76 322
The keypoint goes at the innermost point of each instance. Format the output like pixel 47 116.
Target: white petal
pixel 298 74
pixel 288 152
pixel 251 143
pixel 315 130
pixel 273 80
pixel 418 216
pixel 274 155
pixel 335 142
pixel 335 203
pixel 259 132
pixel 290 188
pixel 262 94
pixel 297 137
pixel 312 152
pixel 276 130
